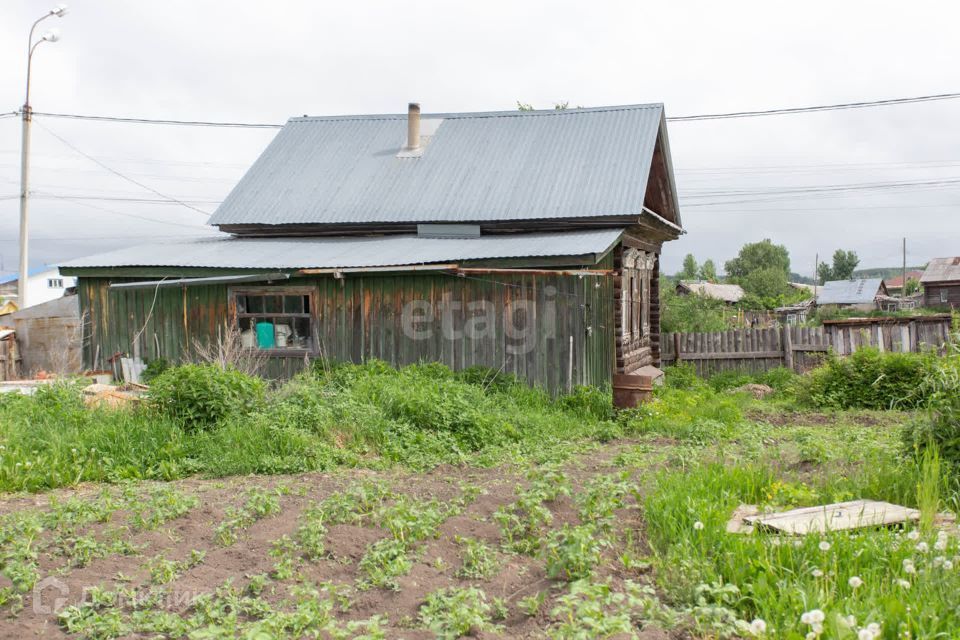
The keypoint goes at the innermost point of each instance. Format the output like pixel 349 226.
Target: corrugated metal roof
pixel 725 292
pixel 942 270
pixel 477 167
pixel 858 291
pixel 346 252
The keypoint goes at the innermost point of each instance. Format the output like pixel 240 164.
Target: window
pixel 944 298
pixel 275 318
pixel 55 283
pixel 635 294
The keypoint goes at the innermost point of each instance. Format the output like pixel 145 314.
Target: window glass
pixel 278 321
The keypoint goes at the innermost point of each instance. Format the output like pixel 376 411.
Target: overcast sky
pixel 263 62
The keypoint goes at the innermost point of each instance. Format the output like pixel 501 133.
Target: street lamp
pixel 50 36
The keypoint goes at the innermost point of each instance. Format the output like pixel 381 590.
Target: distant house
pixel 895 285
pixel 863 294
pixel 803 286
pixel 941 283
pixel 524 241
pixel 728 293
pixel 43 284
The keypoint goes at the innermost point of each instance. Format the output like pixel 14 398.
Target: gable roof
pixel 349 252
pixel 476 167
pixel 897 281
pixel 857 291
pixel 727 292
pixel 942 270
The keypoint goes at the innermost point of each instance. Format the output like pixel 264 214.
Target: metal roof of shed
pixel 859 291
pixel 942 270
pixel 347 252
pixel 725 292
pixel 477 167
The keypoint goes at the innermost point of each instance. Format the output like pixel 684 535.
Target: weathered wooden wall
pixel 360 318
pixel 9 358
pixel 932 295
pixel 801 348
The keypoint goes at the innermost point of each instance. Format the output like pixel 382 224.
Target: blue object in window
pixel 265 337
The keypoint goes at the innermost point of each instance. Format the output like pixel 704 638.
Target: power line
pixel 811 109
pixel 121 175
pixel 9 114
pixel 183 123
pixel 129 215
pixel 689 118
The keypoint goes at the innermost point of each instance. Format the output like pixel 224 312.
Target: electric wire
pixel 863 104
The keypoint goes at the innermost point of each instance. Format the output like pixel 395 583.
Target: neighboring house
pixel 863 294
pixel 895 285
pixel 523 241
pixel 728 293
pixel 43 284
pixel 802 286
pixel 941 283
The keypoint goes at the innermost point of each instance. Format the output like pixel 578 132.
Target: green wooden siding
pixel 361 317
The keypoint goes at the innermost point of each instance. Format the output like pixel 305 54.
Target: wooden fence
pixel 802 348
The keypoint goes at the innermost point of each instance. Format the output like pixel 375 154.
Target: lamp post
pixel 51 36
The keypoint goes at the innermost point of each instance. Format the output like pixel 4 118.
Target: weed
pixel 161 504
pixel 523 523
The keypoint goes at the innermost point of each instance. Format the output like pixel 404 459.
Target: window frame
pixel 311 315
pixel 55 283
pixel 944 296
pixel 636 282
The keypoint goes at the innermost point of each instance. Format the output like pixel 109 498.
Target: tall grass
pixel 902 581
pixel 349 415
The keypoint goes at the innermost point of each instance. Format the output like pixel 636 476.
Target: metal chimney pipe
pixel 413 125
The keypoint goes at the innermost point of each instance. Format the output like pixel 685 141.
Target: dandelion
pixel 922 547
pixel 903 584
pixel 908 566
pixel 939 560
pixel 866 634
pixel 947 565
pixel 940 544
pixel 824 545
pixel 817 573
pixel 813 617
pixel 851 620
pixel 697 526
pixel 758 627
pixel 855 582
pixel 913 535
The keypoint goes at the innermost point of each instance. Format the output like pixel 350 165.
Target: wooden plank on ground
pixel 840 516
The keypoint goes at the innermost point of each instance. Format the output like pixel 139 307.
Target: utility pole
pixel 27 113
pixel 816 278
pixel 903 288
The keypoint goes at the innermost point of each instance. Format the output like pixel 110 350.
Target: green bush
pixel 867 379
pixel 941 423
pixel 682 376
pixel 200 395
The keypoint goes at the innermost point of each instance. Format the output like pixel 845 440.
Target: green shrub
pixel 867 379
pixel 154 368
pixel 489 378
pixel 200 395
pixel 589 402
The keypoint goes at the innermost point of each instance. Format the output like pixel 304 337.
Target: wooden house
pixel 525 241
pixel 941 283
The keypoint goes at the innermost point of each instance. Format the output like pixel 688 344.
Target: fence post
pixel 676 348
pixel 787 348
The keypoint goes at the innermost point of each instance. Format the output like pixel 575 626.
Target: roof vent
pixel 413 126
pixel 419 132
